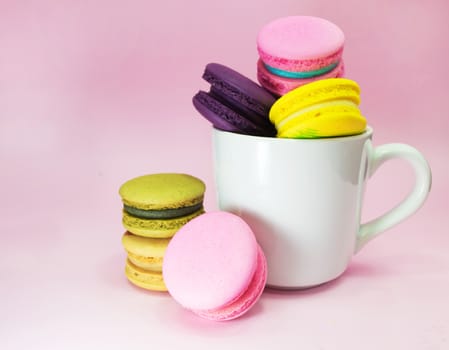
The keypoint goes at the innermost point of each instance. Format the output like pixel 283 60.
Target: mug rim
pixel 366 134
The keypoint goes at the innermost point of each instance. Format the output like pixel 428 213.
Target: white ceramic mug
pixel 303 198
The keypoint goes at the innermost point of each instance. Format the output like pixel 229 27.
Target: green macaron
pixel 157 205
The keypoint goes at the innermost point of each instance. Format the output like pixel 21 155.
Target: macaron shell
pixel 244 303
pixel 150 280
pixel 300 43
pixel 211 261
pixel 238 88
pixel 280 85
pixel 318 92
pixel 165 228
pixel 330 124
pixel 162 191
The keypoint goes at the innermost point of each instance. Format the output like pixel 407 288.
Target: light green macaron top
pixel 162 191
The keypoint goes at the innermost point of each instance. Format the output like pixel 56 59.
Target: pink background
pixel 93 93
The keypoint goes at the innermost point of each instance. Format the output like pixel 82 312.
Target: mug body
pixel 301 197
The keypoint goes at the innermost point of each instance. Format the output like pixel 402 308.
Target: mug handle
pixel 423 180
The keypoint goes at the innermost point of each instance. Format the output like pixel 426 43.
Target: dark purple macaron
pixel 234 102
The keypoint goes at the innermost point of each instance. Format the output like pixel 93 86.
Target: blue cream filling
pixel 301 75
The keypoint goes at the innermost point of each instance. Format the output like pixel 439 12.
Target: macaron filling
pixel 162 213
pixel 302 74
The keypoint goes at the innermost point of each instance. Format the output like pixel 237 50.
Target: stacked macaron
pixel 298 50
pixel 155 207
pixel 210 263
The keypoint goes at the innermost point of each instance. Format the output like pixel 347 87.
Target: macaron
pixel 146 279
pixel 157 205
pixel 324 108
pixel 214 266
pixel 234 102
pixel 144 252
pixel 297 50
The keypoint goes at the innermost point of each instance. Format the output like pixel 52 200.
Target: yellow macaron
pixel 146 253
pixel 151 280
pixel 324 108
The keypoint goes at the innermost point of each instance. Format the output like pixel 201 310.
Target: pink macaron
pixel 215 267
pixel 296 50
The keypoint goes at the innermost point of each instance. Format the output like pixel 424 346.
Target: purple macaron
pixel 235 103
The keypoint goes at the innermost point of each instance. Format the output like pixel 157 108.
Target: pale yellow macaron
pixel 144 252
pixel 151 280
pixel 324 108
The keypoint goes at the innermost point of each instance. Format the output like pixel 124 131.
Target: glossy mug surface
pixel 303 198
